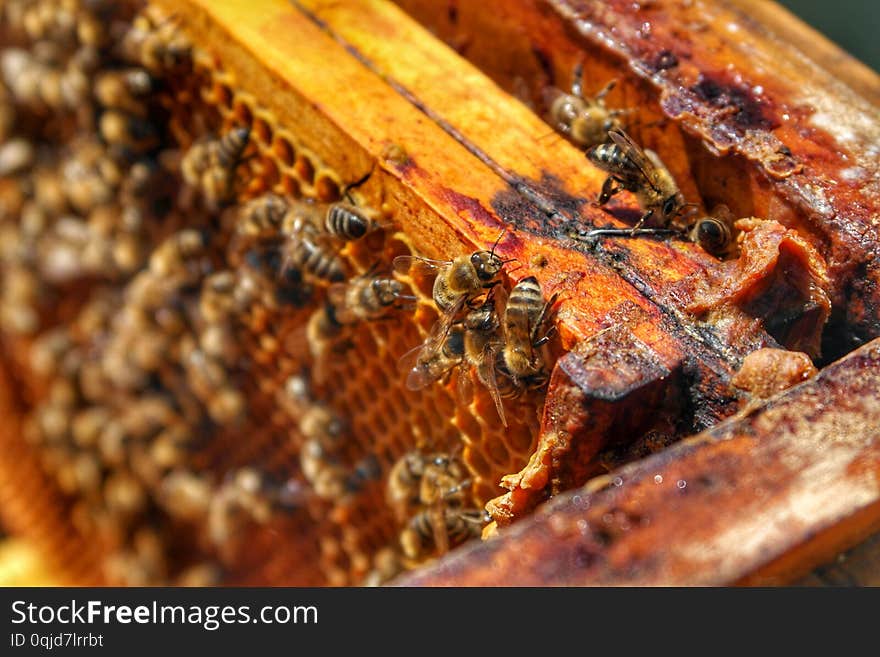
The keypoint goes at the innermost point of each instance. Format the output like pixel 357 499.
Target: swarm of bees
pixel 184 266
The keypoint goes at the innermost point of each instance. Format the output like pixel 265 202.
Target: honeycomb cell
pixel 326 188
pixel 242 113
pixel 304 168
pixel 261 132
pixel 283 150
pixel 290 186
pixel 222 95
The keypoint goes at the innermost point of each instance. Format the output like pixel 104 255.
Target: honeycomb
pixel 103 356
pixel 186 403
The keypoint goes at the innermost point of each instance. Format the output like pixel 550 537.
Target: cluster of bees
pixel 153 365
pixel 589 124
pixel 149 368
pixel 93 195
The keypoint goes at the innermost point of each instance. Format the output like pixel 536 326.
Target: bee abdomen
pixel 231 146
pixel 611 158
pixel 526 299
pixel 311 257
pixel 346 222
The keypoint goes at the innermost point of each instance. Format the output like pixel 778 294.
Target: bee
pixel 16 156
pixel 444 479
pixel 216 302
pixel 715 232
pixel 640 172
pixel 348 222
pixel 435 531
pixel 403 488
pixel 321 425
pixel 128 132
pixel 322 329
pixel 435 359
pixel 186 495
pixel 481 348
pixel 432 491
pixel 366 297
pixel 262 216
pixel 240 500
pixel 155 43
pixel 584 120
pixel 459 280
pixel 305 249
pixel 323 471
pixel 209 166
pixel 387 564
pixel 173 256
pixel 524 316
pixel 124 90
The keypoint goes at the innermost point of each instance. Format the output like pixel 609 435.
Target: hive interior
pixel 82 345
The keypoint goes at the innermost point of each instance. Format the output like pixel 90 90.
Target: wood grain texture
pixel 760 499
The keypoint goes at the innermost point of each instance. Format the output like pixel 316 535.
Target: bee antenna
pixel 497 240
pixel 357 183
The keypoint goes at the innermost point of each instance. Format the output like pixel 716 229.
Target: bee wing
pixel 464 385
pixel 489 380
pixel 410 264
pixel 634 154
pixel 438 524
pixel 336 296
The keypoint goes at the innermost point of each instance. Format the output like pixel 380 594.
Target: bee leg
pixel 609 189
pixel 577 80
pixel 604 91
pixel 357 183
pixel 641 221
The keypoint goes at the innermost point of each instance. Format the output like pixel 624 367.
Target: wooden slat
pixel 760 499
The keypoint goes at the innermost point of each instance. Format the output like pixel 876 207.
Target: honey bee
pixel 321 425
pixel 481 348
pixel 432 492
pixel 155 43
pixel 403 487
pixel 305 249
pixel 216 301
pixel 444 479
pixel 435 359
pixel 209 166
pixel 186 495
pixel 364 471
pixel 366 297
pixel 173 256
pixel 322 329
pixel 715 232
pixel 128 132
pixel 434 532
pixel 640 172
pixel 323 471
pixel 240 500
pixel 262 216
pixel 459 280
pixel 16 156
pixel 524 316
pixel 584 120
pixel 348 222
pixel 125 90
pixel 387 564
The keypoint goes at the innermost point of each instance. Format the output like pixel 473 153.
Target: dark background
pixel 852 24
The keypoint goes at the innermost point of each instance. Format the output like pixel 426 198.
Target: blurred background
pixel 852 24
